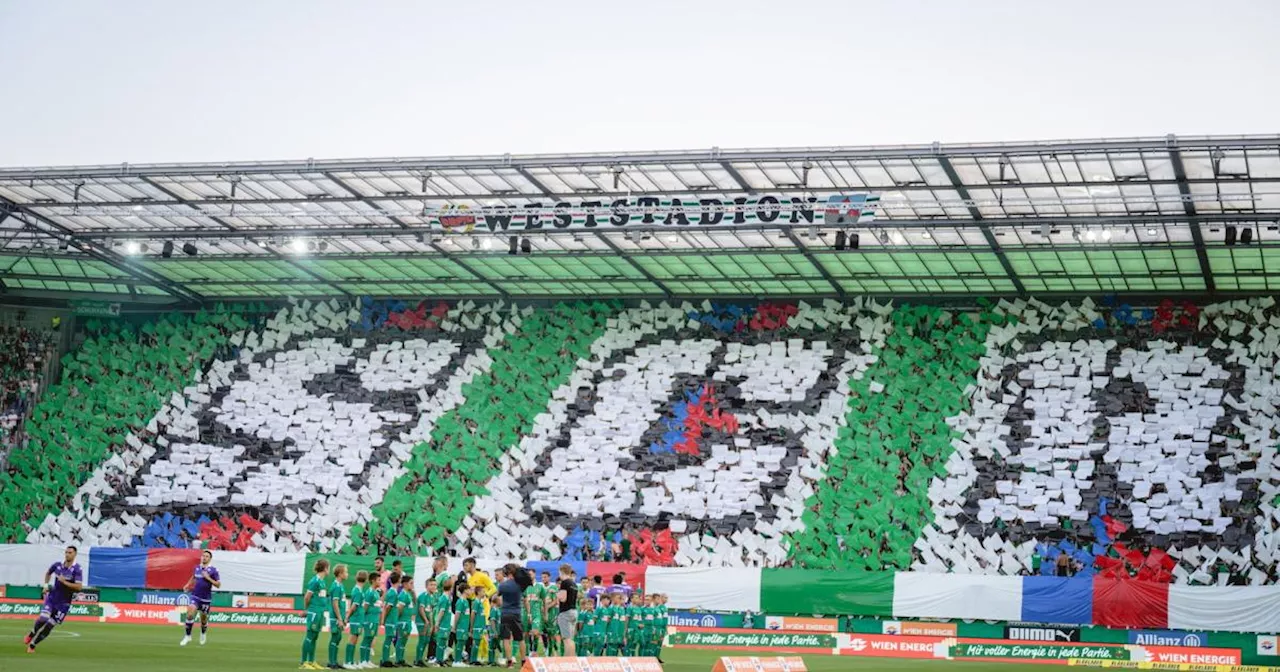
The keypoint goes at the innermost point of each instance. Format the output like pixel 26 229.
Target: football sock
pixel 421 650
pixel 366 648
pixel 402 643
pixel 387 641
pixel 44 632
pixel 335 638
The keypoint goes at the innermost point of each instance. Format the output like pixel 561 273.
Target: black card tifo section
pixel 1122 402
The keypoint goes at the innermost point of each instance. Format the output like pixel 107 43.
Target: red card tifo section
pixel 594 664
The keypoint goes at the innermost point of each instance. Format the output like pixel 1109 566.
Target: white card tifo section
pixel 588 478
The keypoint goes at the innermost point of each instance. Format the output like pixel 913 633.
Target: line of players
pixel 451 625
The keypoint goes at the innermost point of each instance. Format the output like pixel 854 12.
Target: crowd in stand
pixel 23 355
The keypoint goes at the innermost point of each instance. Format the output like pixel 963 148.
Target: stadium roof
pixel 1127 216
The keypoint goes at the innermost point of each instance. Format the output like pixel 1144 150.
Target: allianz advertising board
pixel 162 598
pixel 690 619
pixel 1168 638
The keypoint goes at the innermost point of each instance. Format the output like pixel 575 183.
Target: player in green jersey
pixel 650 626
pixel 661 626
pixel 599 630
pixel 462 625
pixel 444 619
pixel 495 629
pixel 477 624
pixel 550 611
pixel 616 637
pixel 585 628
pixel 315 601
pixel 355 619
pixel 390 619
pixel 337 613
pixel 604 618
pixel 423 616
pixel 535 608
pixel 635 624
pixel 372 613
pixel 405 606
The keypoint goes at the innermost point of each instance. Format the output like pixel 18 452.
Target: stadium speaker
pixel 853 241
pixel 840 240
pixel 1246 236
pixel 526 246
pixel 167 250
pixel 513 245
pixel 189 249
pixel 1230 236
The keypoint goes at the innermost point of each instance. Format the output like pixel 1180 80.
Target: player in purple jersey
pixel 67 581
pixel 200 586
pixel 596 590
pixel 620 587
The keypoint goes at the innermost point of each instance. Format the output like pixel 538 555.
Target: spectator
pixel 23 354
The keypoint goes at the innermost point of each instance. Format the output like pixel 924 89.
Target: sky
pixel 91 82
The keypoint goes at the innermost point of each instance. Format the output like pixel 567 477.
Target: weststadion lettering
pixel 648 211
pixel 780 640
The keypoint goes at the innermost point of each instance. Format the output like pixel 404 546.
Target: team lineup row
pixel 453 616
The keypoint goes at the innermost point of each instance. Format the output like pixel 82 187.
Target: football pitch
pixel 143 648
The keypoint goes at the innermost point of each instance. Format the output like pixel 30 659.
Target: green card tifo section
pixel 1020 438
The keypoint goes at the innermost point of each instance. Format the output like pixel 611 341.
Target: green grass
pixel 142 648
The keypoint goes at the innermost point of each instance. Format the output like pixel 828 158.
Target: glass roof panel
pixel 1118 220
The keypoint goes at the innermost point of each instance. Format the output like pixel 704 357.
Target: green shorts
pixel 315 622
pixel 356 627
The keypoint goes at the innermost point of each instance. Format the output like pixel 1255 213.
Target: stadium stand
pixel 1020 438
pixel 23 355
pixel 110 388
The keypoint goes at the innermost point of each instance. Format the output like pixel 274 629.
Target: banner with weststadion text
pixel 647 211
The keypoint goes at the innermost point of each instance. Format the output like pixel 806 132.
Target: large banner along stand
pixel 593 664
pixel 778 664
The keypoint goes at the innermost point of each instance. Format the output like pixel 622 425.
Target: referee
pixel 512 592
